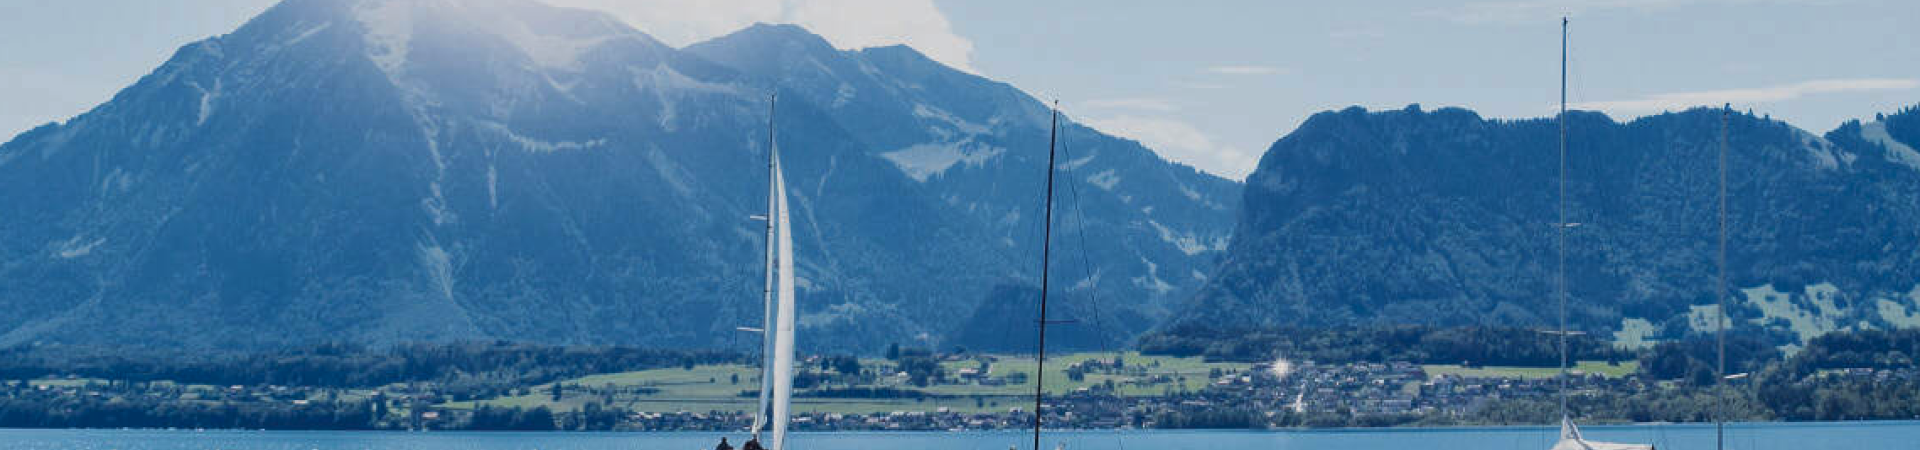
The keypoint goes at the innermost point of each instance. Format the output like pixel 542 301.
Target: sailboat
pixel 1570 437
pixel 777 322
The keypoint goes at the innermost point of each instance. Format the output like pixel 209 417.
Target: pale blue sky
pixel 1210 83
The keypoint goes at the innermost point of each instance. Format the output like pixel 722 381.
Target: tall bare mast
pixel 1560 228
pixel 1570 438
pixel 1046 255
pixel 766 322
pixel 1720 294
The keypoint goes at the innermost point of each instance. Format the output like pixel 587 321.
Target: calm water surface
pixel 1836 436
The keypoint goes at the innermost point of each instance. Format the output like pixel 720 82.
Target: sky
pixel 1209 83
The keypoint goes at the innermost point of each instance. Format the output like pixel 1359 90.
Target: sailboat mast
pixel 1720 294
pixel 766 318
pixel 1570 437
pixel 1046 255
pixel 1560 228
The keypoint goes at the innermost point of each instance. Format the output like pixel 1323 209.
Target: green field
pixel 1599 367
pixel 1635 333
pixel 710 388
pixel 1193 370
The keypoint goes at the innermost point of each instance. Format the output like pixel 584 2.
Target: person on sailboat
pixel 723 444
pixel 752 444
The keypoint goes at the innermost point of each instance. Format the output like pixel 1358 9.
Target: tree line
pixel 1470 346
pixel 478 364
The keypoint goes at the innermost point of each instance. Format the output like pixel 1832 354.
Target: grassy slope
pixel 690 390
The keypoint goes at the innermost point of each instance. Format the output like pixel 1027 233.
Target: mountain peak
pixel 549 37
pixel 762 37
pixel 784 32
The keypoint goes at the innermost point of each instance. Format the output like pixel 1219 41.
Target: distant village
pixel 1281 393
pixel 1306 388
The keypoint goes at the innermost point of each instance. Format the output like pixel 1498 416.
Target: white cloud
pixel 1682 100
pixel 845 23
pixel 1135 103
pixel 1521 11
pixel 1180 141
pixel 1246 70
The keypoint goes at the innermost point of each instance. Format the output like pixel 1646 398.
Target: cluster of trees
pixel 1472 346
pixel 1875 349
pixel 1823 398
pixel 1078 371
pixel 1210 418
pixel 1848 375
pixel 841 364
pixel 594 417
pixel 1903 125
pixel 136 412
pixel 921 365
pixel 1830 378
pixel 1695 359
pixel 115 410
pixel 1843 398
pixel 1658 405
pixel 488 418
pixel 454 371
pixel 460 370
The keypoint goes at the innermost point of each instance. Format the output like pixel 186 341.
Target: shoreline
pixel 1392 429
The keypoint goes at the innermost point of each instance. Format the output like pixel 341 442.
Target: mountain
pixel 1136 233
pixel 395 170
pixel 1446 218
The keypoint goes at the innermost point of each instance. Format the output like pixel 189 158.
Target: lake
pixel 1764 436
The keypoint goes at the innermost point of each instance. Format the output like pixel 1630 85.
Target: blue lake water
pixel 1837 436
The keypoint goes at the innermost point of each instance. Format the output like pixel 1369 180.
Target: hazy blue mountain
pixel 1135 234
pixel 1445 218
pixel 392 170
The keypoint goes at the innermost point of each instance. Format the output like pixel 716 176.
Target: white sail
pixel 761 415
pixel 782 331
pixel 1570 439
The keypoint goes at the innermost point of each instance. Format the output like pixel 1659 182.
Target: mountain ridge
pixel 1443 218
